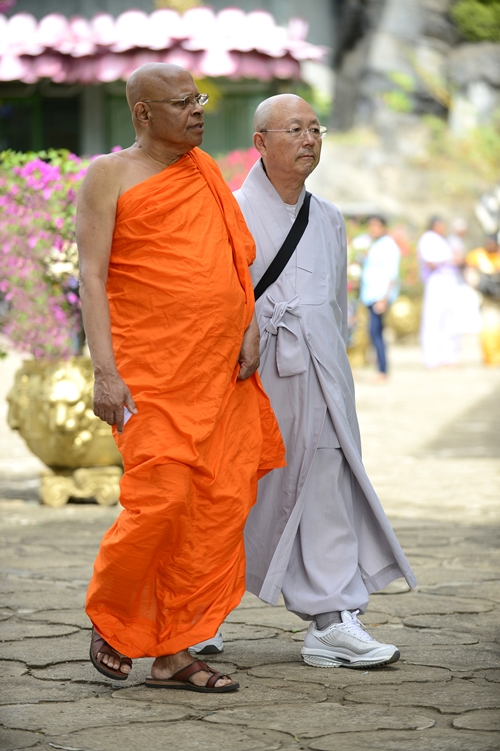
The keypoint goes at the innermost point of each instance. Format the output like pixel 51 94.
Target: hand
pixel 380 307
pixel 111 393
pixel 249 358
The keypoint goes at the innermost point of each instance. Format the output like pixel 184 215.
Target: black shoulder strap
pixel 286 251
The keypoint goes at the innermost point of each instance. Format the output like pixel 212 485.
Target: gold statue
pixel 50 405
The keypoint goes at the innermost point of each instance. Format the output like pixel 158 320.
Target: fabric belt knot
pixel 289 357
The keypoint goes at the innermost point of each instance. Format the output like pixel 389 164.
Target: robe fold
pixel 172 566
pixel 306 373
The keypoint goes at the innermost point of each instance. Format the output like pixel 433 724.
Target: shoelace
pixel 355 628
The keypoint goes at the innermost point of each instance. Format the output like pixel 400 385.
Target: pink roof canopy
pixel 230 43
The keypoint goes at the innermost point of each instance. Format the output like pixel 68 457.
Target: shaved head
pixel 288 138
pixel 150 80
pixel 271 111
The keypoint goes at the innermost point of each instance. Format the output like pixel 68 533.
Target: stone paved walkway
pixel 432 447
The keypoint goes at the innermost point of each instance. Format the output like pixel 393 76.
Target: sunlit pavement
pixel 432 448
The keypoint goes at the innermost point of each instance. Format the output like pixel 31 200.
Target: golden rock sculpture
pixel 50 404
pixel 403 317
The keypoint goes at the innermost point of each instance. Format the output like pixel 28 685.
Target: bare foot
pixel 165 667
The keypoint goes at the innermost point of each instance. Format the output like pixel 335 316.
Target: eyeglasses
pixel 316 131
pixel 188 101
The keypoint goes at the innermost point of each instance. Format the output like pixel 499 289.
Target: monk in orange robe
pixel 168 305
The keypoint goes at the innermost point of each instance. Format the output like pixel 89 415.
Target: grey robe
pixel 305 371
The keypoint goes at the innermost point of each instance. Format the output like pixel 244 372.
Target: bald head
pixel 150 81
pixel 288 138
pixel 273 111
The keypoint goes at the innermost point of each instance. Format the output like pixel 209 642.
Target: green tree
pixel 477 20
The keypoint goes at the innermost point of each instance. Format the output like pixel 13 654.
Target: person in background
pixel 483 273
pixel 439 334
pixel 468 316
pixel 456 239
pixel 380 284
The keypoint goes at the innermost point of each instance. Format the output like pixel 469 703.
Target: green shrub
pixel 477 20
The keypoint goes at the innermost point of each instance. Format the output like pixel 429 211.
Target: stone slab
pixel 13 740
pixel 89 713
pixel 478 560
pixel 25 583
pixel 46 599
pixel 277 617
pixel 477 590
pixel 252 653
pixel 397 587
pixel 159 736
pixel 374 618
pixel 313 720
pixel 484 719
pixel 433 739
pixel 250 600
pixel 252 691
pixel 485 624
pixel 16 630
pixel 434 575
pixel 33 557
pixel 238 631
pixel 452 697
pixel 416 603
pixel 341 677
pixel 458 658
pixel 42 652
pixel 10 669
pixel 491 675
pixel 29 690
pixel 68 616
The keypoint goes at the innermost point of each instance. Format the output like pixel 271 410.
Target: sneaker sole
pixel 210 649
pixel 324 660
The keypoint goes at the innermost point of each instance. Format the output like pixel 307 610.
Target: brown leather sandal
pixel 180 680
pixel 99 645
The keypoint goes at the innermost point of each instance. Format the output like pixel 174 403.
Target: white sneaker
pixel 213 646
pixel 346 644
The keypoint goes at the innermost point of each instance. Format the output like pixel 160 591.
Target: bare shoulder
pixel 105 175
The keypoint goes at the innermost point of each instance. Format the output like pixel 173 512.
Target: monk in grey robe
pixel 318 533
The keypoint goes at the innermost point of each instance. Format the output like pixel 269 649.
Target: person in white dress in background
pixel 439 331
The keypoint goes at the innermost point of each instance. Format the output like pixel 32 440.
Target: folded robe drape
pixel 172 566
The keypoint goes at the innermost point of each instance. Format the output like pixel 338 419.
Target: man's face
pixel 440 227
pixel 375 228
pixel 172 123
pixel 287 155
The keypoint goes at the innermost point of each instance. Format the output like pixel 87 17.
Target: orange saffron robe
pixel 172 566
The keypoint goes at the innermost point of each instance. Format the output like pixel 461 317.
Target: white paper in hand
pixel 127 414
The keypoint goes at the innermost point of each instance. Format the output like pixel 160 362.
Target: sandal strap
pixel 197 667
pixel 184 674
pixel 100 645
pixel 213 680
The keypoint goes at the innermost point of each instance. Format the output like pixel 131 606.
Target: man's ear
pixel 141 113
pixel 259 143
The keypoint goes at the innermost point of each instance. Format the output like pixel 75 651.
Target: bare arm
pixel 95 221
pixel 249 358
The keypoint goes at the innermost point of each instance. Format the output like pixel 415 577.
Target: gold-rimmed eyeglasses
pixel 316 131
pixel 188 101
